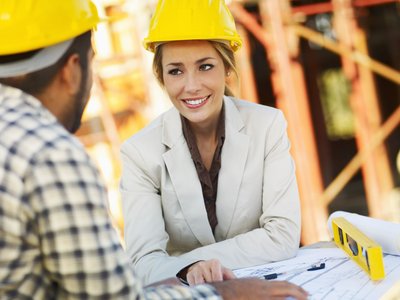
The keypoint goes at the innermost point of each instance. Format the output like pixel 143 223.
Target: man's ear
pixel 70 74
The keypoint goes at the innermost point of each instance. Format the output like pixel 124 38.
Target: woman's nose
pixel 192 83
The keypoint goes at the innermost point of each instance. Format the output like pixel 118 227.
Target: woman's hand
pixel 208 271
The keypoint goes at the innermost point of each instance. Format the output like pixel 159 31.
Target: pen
pixel 311 268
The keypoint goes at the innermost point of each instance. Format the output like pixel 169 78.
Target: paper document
pixel 341 278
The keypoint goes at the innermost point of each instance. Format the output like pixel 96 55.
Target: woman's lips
pixel 195 102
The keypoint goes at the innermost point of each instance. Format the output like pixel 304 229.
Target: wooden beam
pixel 289 87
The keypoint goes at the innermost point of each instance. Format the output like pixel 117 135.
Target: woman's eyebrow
pixel 199 61
pixel 174 64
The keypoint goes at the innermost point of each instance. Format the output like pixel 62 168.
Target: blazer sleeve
pixel 278 235
pixel 144 227
pixel 275 238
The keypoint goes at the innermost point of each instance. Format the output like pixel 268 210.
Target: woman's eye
pixel 206 67
pixel 174 72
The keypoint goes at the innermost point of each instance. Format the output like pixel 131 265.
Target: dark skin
pixel 254 289
pixel 250 289
pixel 66 97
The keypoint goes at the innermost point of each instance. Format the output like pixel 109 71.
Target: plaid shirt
pixel 56 239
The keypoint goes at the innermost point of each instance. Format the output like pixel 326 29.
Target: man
pixel 56 239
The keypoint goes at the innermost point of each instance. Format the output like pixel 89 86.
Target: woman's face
pixel 194 78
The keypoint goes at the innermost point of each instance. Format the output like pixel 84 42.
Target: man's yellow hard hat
pixel 32 24
pixel 179 20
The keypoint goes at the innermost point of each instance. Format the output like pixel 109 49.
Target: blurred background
pixel 332 67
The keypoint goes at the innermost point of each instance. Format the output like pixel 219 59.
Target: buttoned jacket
pixel 166 225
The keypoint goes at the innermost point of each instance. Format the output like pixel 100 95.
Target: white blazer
pixel 166 225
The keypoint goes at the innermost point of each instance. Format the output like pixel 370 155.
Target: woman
pixel 209 186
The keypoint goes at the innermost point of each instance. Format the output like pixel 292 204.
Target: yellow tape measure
pixel 364 251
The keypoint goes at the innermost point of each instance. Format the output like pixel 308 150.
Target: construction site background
pixel 332 67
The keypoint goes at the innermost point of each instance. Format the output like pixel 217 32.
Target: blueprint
pixel 341 278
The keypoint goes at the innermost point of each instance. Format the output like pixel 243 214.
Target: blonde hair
pixel 224 50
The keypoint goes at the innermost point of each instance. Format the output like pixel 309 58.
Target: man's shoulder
pixel 28 130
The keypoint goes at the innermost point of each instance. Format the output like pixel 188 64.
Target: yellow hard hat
pixel 32 24
pixel 180 20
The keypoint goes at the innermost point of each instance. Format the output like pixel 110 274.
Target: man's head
pixel 53 60
pixel 37 83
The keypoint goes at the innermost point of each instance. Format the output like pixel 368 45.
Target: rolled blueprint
pixel 386 234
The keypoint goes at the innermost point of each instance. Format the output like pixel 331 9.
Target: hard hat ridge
pixel 178 20
pixel 27 25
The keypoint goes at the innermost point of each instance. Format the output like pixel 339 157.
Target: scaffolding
pixel 280 30
pixel 279 33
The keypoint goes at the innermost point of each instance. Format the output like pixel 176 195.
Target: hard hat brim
pixel 40 60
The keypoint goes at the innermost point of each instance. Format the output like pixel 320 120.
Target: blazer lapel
pixel 233 161
pixel 184 178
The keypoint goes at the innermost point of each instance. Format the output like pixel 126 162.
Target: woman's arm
pixel 145 234
pixel 278 234
pixel 276 238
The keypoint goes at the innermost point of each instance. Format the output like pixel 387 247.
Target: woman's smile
pixel 194 77
pixel 194 103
